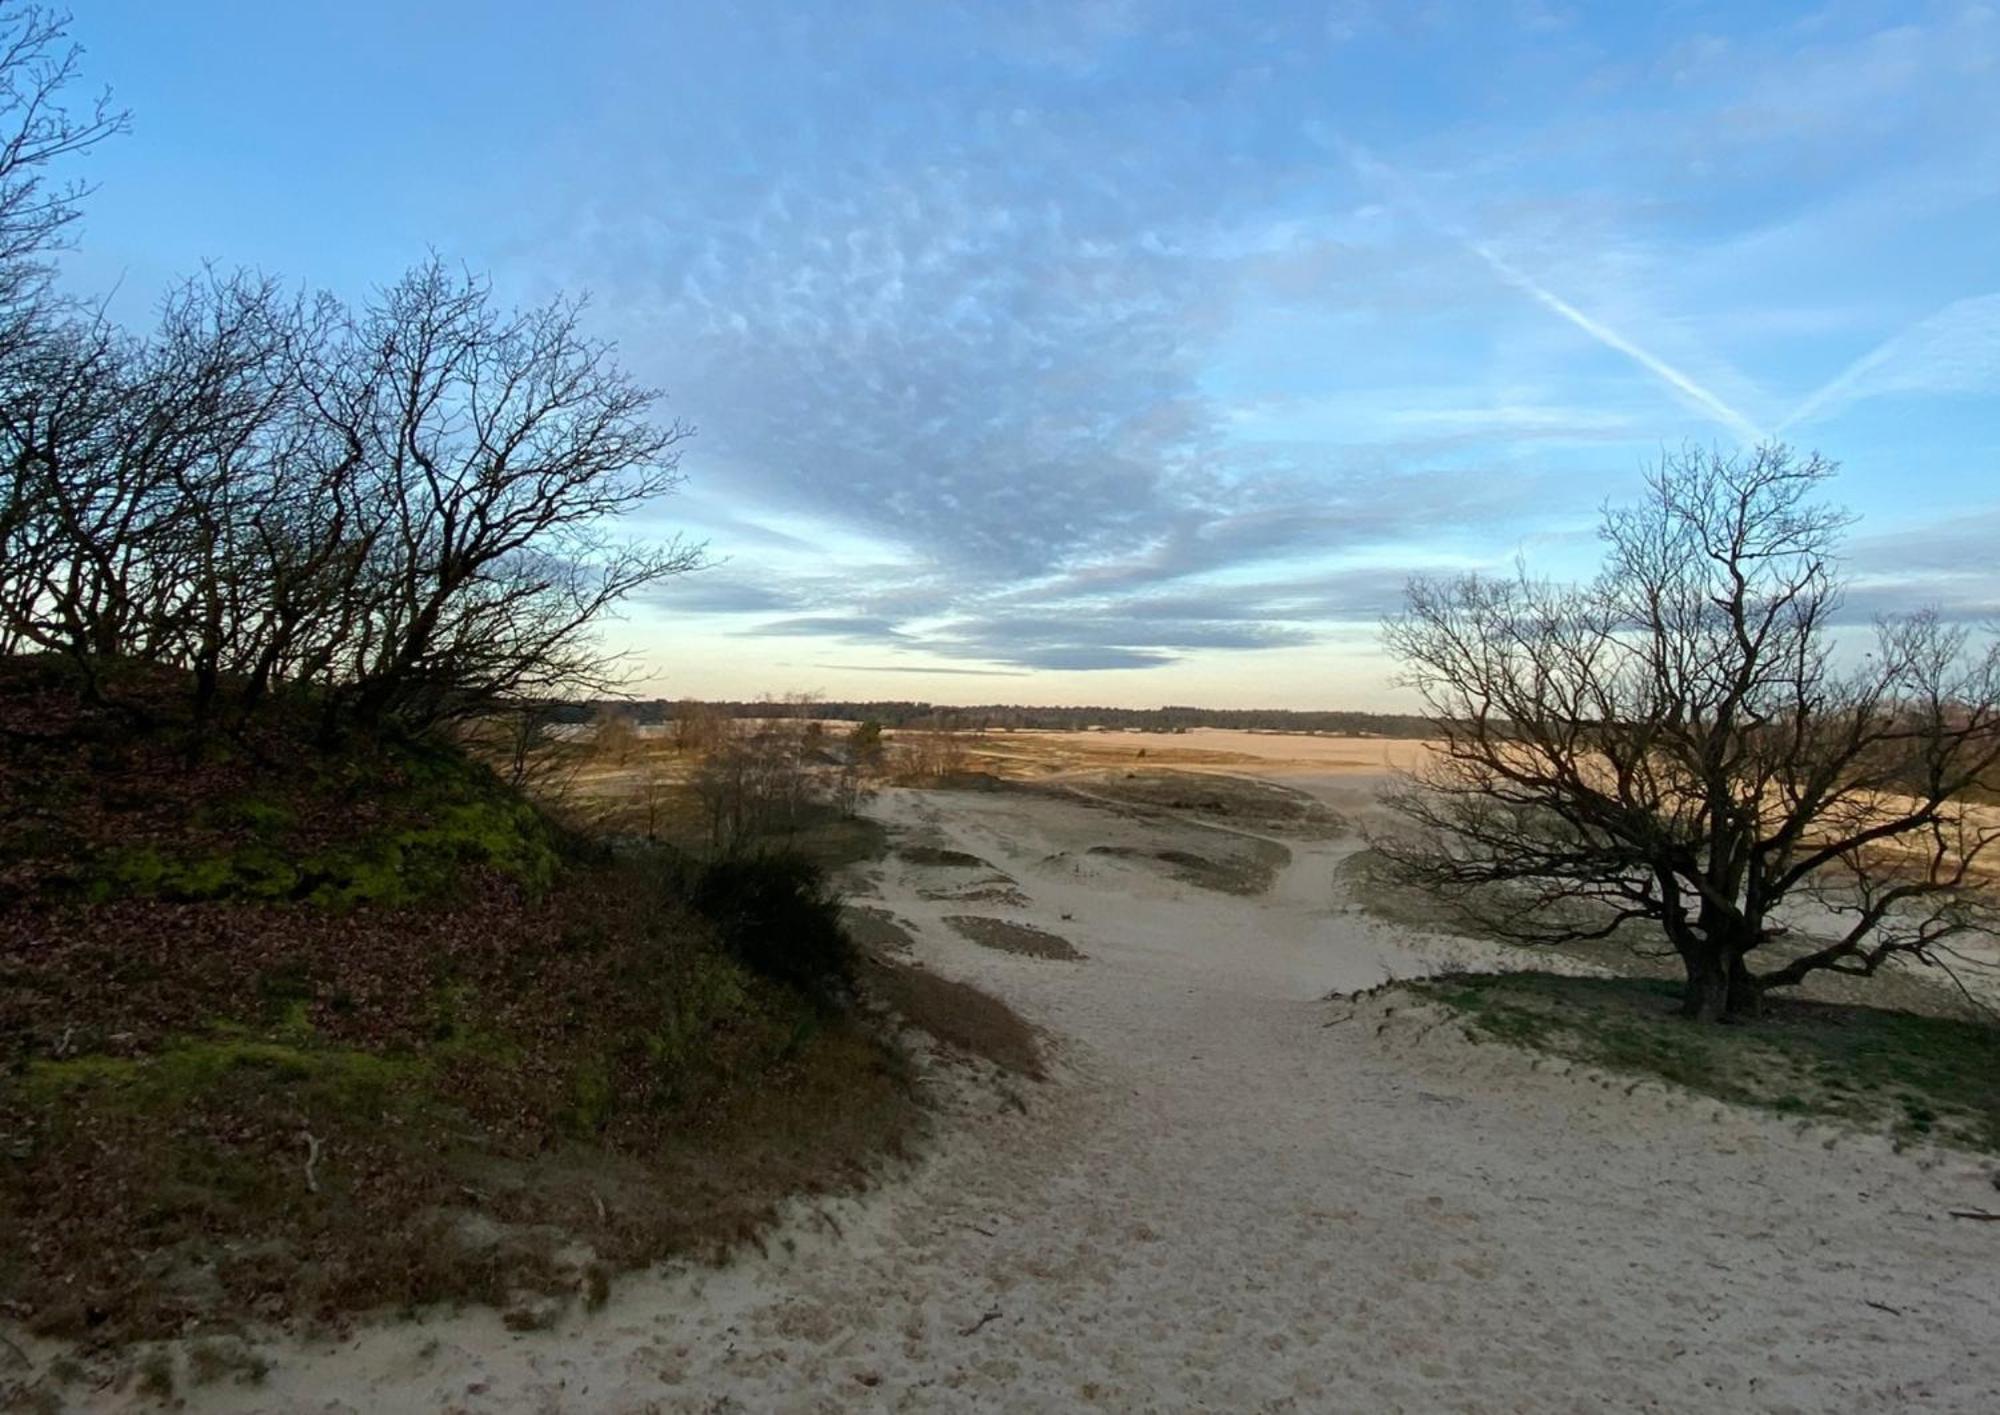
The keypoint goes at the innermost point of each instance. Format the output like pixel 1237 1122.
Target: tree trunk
pixel 1719 984
pixel 1706 996
pixel 1746 997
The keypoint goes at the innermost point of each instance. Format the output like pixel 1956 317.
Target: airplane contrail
pixel 1612 339
pixel 1956 347
pixel 1837 386
pixel 1370 166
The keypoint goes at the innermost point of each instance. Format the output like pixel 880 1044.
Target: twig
pixel 1980 1214
pixel 1882 1307
pixel 977 1229
pixel 1976 1003
pixel 598 1199
pixel 991 1316
pixel 312 1158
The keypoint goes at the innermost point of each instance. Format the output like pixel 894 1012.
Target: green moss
pixel 336 1079
pixel 448 820
pixel 259 816
pixel 146 870
pixel 591 1097
pixel 422 861
pixel 254 871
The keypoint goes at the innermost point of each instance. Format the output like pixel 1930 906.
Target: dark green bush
pixel 778 915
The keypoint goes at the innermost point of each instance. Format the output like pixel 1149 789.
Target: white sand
pixel 1223 1201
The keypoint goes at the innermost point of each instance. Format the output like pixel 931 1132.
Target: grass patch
pixel 335 1079
pixel 1239 801
pixel 1637 948
pixel 833 840
pixel 938 855
pixel 957 1014
pixel 1247 867
pixel 1010 937
pixel 876 931
pixel 1910 1075
pixel 226 1359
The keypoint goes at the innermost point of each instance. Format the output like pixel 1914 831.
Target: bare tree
pixel 933 750
pixel 38 130
pixel 1682 742
pixel 614 736
pixel 498 449
pixel 37 62
pixel 697 727
pixel 408 511
pixel 527 749
pixel 766 777
pixel 724 781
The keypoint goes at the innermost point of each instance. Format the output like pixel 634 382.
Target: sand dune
pixel 1234 1193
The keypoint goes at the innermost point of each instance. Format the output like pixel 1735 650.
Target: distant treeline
pixel 1005 717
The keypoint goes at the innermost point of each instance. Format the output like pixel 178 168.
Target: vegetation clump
pixel 777 915
pixel 1911 1075
pixel 1236 801
pixel 476 1045
pixel 958 1015
pixel 940 855
pixel 103 801
pixel 1010 937
pixel 1239 865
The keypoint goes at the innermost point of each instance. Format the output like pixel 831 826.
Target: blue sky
pixel 1130 352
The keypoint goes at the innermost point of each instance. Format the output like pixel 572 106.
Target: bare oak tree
pixel 1686 741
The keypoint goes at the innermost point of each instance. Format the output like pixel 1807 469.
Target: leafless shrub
pixel 931 752
pixel 697 727
pixel 765 777
pixel 614 736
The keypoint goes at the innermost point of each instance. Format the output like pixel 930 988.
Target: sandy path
pixel 1223 1202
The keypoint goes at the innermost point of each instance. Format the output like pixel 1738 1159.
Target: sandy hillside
pixel 1236 1194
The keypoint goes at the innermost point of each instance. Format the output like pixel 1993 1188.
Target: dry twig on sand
pixel 991 1316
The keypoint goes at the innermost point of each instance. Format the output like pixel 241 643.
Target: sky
pixel 1133 351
